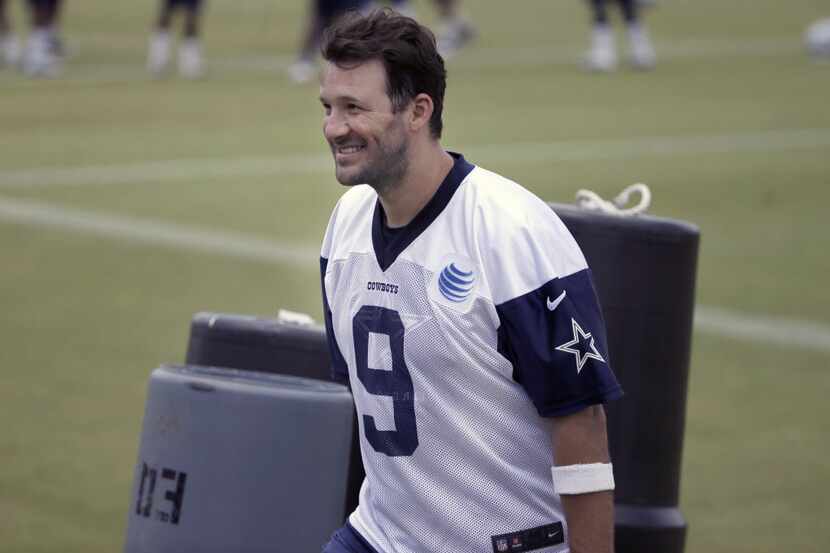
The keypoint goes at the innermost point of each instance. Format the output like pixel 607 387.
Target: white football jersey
pixel 457 334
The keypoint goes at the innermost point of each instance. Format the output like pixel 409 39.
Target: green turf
pixel 86 318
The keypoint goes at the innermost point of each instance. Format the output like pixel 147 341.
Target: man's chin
pixel 347 178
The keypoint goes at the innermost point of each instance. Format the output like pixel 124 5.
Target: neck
pixel 428 167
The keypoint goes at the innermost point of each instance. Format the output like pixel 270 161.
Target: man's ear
pixel 422 108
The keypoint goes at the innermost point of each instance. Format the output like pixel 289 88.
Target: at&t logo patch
pixel 456 283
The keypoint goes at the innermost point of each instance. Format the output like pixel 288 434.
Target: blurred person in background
pixel 191 61
pixel 9 43
pixel 817 39
pixel 603 53
pixel 43 53
pixel 455 30
pixel 321 14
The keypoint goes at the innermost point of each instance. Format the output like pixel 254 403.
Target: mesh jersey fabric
pixel 457 339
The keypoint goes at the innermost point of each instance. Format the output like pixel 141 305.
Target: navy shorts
pixel 347 540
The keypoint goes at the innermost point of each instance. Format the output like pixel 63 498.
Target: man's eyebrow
pixel 344 98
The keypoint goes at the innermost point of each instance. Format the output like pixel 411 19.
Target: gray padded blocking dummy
pixel 237 461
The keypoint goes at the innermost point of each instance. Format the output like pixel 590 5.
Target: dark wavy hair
pixel 406 49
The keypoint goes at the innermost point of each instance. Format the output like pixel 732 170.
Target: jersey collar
pixel 387 253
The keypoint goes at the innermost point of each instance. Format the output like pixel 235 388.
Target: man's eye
pixel 353 107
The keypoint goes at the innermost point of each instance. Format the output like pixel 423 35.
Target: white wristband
pixel 577 479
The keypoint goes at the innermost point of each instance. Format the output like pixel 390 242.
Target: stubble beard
pixel 385 171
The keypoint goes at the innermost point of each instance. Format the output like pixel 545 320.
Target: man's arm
pixel 581 438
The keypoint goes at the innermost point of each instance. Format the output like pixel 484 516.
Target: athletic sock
pixel 600 11
pixel 629 10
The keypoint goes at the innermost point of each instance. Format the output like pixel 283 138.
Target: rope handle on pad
pixel 587 199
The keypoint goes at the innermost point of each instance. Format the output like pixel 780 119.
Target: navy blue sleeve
pixel 555 338
pixel 339 369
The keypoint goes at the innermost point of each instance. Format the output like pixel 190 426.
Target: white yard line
pixel 530 152
pixel 779 331
pixel 168 170
pixel 713 320
pixel 156 233
pixel 652 146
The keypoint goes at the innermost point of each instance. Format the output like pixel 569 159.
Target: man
pixel 455 30
pixel 602 55
pixel 191 62
pixel 462 315
pixel 9 43
pixel 321 14
pixel 43 53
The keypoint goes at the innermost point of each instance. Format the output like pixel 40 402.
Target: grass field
pixel 109 182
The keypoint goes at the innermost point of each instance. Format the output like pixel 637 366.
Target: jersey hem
pixel 363 531
pixel 361 538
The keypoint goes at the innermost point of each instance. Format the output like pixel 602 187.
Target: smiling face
pixel 368 139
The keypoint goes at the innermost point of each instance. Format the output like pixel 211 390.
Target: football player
pixel 321 14
pixel 462 314
pixel 602 55
pixel 43 53
pixel 191 61
pixel 817 39
pixel 455 30
pixel 9 43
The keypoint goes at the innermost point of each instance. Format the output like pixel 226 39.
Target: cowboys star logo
pixel 582 347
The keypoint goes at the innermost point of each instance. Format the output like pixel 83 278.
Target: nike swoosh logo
pixel 555 303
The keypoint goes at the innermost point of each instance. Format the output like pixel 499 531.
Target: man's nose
pixel 335 126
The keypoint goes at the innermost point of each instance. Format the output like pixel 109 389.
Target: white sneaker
pixel 158 52
pixel 641 51
pixel 603 53
pixel 191 63
pixel 455 34
pixel 39 59
pixel 817 39
pixel 302 71
pixel 9 50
